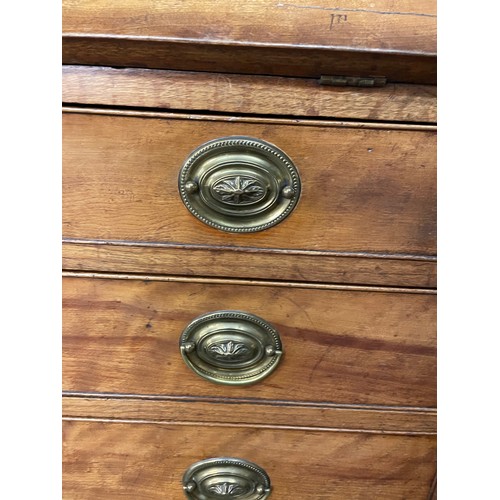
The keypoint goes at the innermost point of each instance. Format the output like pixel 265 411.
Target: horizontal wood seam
pixel 369 11
pixel 253 401
pixel 246 43
pixel 244 282
pixel 248 119
pixel 252 426
pixel 286 251
pixel 234 115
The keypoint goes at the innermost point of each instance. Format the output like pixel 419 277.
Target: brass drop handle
pixel 231 347
pixel 239 184
pixel 226 477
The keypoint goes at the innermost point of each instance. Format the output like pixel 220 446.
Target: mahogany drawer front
pixel 147 461
pixel 340 346
pixel 368 190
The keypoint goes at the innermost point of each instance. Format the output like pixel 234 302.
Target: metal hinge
pixel 353 81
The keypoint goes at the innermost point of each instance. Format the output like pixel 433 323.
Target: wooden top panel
pixel 301 38
pixel 254 94
pixel 383 25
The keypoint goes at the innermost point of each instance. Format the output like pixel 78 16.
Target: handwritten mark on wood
pixel 337 19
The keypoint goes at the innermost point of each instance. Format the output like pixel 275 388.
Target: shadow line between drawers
pixel 253 401
pixel 287 251
pixel 244 282
pixel 250 425
pixel 210 115
pixel 265 414
pixel 269 264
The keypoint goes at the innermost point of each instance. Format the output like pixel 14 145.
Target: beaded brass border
pixel 284 163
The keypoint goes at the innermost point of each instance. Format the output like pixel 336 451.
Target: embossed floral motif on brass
pixel 226 477
pixel 229 350
pixel 239 184
pixel 227 489
pixel 231 347
pixel 239 190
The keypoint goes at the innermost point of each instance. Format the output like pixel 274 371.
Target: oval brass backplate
pixel 239 184
pixel 224 477
pixel 231 347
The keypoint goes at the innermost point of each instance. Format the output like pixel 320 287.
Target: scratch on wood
pixel 432 492
pixel 318 362
pixel 382 12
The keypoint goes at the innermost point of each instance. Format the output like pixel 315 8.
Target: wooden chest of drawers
pixel 331 308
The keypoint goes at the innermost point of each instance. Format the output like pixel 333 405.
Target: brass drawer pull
pixel 239 184
pixel 231 347
pixel 226 477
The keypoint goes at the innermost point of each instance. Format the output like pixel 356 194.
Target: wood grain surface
pixel 245 94
pixel 409 27
pixel 352 347
pixel 433 492
pixel 260 263
pixel 114 460
pixel 364 190
pixel 349 413
pixel 147 52
pixel 250 413
pixel 303 38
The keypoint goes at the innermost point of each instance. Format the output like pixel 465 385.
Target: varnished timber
pixel 433 491
pixel 146 461
pixel 226 262
pixel 269 119
pixel 245 94
pixel 364 189
pixel 352 347
pixel 247 282
pixel 141 52
pixel 347 280
pixel 410 27
pixel 302 38
pixel 249 413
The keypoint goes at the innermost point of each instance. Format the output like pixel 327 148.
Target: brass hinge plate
pixel 353 81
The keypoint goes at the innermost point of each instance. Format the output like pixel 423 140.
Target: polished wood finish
pixel 303 121
pixel 147 461
pixel 433 492
pixel 245 94
pixel 411 27
pixel 364 189
pixel 144 52
pixel 261 37
pixel 322 267
pixel 352 347
pixel 247 282
pixel 348 279
pixel 251 413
